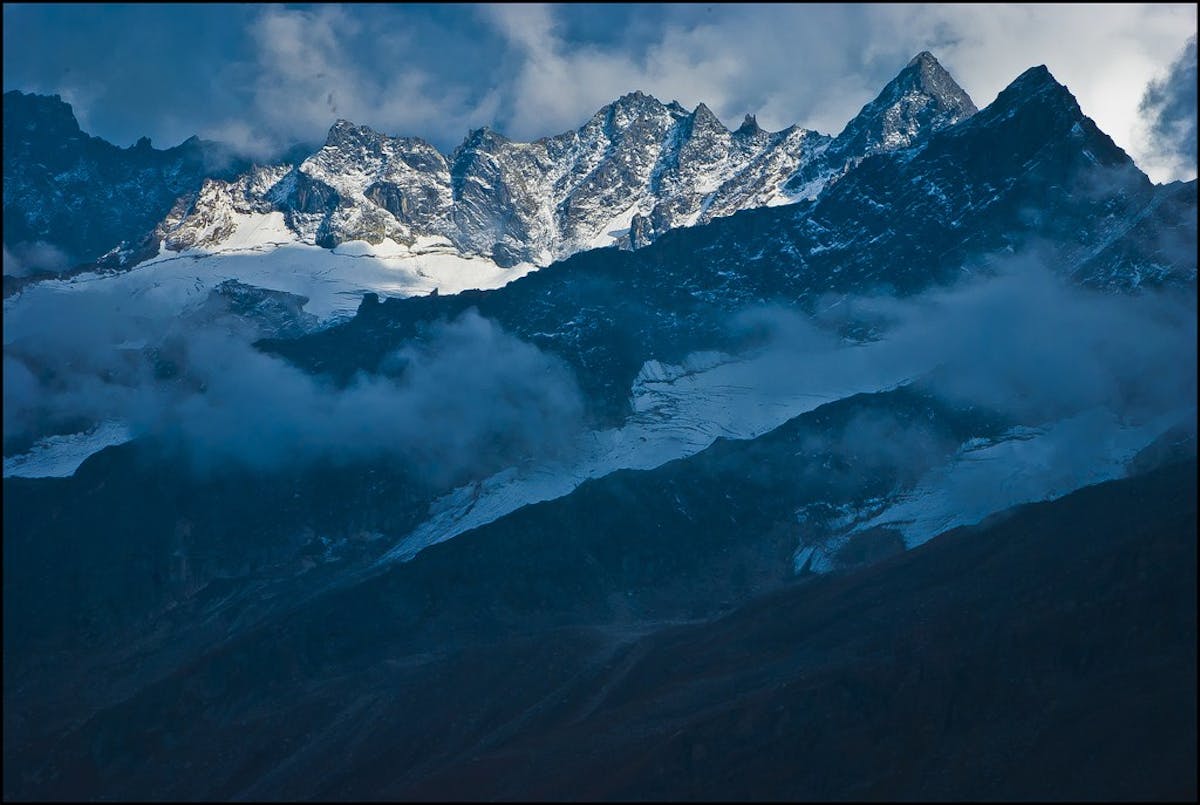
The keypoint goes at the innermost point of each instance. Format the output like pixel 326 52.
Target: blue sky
pixel 263 76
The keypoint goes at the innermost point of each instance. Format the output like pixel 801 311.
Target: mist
pixel 469 400
pixel 36 257
pixel 1021 342
pixel 1023 346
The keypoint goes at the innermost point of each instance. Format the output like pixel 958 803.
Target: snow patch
pixel 678 411
pixel 61 456
pixel 333 281
pixel 1025 465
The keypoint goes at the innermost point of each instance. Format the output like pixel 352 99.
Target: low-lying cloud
pixel 34 257
pixel 468 399
pixel 1024 345
pixel 1033 345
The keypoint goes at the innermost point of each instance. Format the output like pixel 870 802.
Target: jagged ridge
pixel 636 169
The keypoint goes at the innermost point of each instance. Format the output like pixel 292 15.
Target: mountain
pixel 636 169
pixel 518 202
pixel 922 98
pixel 83 195
pixel 648 335
pixel 1029 170
pixel 770 506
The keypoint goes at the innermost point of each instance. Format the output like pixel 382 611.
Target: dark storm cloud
pixel 1169 106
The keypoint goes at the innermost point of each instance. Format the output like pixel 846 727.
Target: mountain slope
pixel 893 681
pixel 1061 665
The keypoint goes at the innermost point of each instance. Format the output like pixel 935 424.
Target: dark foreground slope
pixel 1050 654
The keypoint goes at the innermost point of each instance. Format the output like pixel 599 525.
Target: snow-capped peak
pixel 921 99
pixel 636 157
pixel 749 126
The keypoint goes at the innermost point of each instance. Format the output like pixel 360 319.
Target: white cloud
pixel 34 257
pixel 1169 111
pixel 1105 54
pixel 812 65
pixel 311 71
pixel 818 66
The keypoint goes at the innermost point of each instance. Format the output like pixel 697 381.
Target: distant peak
pixel 35 98
pixel 925 74
pixel 1036 104
pixel 342 125
pixel 1036 76
pixel 676 106
pixel 488 132
pixel 1035 87
pixel 922 98
pixel 923 58
pixel 339 131
pixel 483 137
pixel 631 106
pixel 49 112
pixel 749 125
pixel 343 131
pixel 1036 82
pixel 637 98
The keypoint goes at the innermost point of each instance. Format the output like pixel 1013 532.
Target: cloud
pixel 1169 107
pixel 876 442
pixel 1035 347
pixel 468 399
pixel 35 257
pixel 817 66
pixel 733 61
pixel 21 403
pixel 263 77
pixel 1024 344
pixel 314 67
